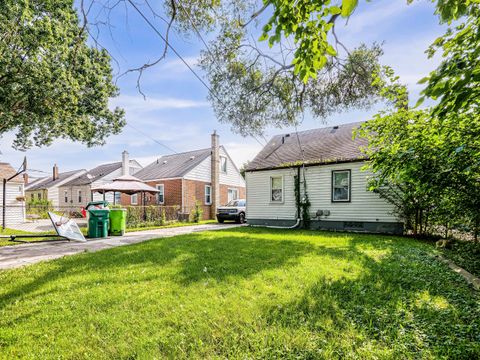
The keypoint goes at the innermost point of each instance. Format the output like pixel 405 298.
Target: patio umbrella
pixel 126 184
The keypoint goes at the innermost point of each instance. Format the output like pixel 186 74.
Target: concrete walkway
pixel 26 254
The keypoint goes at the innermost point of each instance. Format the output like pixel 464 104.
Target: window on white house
pixel 341 186
pixel 223 164
pixel 32 196
pixel 39 196
pixel 232 194
pixel 79 196
pixel 208 195
pixel 117 197
pixel 134 199
pixel 276 186
pixel 161 193
pixel 65 194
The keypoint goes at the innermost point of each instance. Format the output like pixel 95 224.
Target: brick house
pixel 207 176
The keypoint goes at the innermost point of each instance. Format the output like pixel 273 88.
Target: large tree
pixel 52 83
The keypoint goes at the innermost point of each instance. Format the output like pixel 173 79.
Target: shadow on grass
pixel 197 257
pixel 404 304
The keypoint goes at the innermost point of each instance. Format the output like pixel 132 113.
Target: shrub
pixel 197 213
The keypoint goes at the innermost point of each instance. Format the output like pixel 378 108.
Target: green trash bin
pixel 98 223
pixel 118 221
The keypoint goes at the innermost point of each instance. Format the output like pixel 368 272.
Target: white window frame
pixel 209 195
pixel 134 196
pixel 119 198
pixel 234 190
pixel 283 190
pixel 162 191
pixel 65 196
pixel 226 164
pixel 349 172
pixel 79 196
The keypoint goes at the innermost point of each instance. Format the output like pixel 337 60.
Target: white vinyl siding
pixel 364 205
pixel 259 194
pixel 202 172
pixel 15 211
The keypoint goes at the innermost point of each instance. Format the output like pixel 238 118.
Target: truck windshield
pixel 236 203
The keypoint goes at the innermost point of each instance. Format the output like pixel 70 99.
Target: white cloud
pixel 140 105
pixel 241 152
pixel 375 14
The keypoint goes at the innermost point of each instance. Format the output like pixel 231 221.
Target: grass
pixel 243 293
pixel 171 225
pixel 84 230
pixel 465 254
pixel 7 231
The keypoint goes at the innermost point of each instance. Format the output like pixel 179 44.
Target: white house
pixel 330 162
pixel 14 199
pixel 76 193
pixel 47 188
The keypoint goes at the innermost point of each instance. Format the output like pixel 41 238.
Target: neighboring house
pixel 77 192
pixel 335 183
pixel 47 188
pixel 14 199
pixel 207 176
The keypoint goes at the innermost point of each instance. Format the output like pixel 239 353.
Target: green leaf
pixel 420 101
pixel 348 6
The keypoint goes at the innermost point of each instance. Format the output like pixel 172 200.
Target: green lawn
pixel 6 241
pixel 243 293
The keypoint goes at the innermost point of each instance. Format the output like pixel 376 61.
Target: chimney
pixel 125 163
pixel 55 172
pixel 215 174
pixel 25 178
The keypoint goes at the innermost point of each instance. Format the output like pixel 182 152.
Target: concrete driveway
pixel 26 254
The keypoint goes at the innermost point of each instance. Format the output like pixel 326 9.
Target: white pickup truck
pixel 234 210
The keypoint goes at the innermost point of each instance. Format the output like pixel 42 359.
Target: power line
pixel 153 27
pixel 151 138
pixel 168 44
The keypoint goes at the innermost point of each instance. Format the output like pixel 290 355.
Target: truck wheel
pixel 241 218
pixel 220 221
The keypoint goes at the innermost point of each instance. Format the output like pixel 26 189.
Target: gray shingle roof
pixel 173 166
pixel 94 174
pixel 48 181
pixel 320 146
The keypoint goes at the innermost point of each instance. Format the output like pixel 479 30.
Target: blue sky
pixel 176 111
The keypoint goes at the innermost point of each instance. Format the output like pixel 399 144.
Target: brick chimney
pixel 125 163
pixel 25 178
pixel 215 171
pixel 55 172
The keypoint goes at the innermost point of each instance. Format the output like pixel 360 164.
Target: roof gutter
pixel 308 165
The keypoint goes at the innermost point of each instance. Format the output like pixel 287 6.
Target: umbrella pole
pixel 144 210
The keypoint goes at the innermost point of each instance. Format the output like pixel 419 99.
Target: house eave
pixel 308 164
